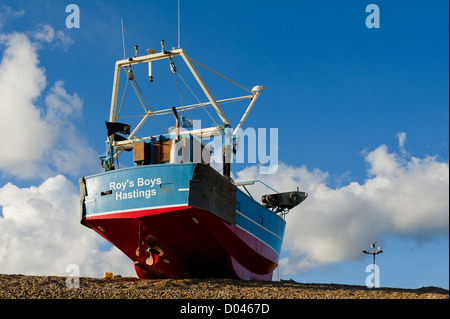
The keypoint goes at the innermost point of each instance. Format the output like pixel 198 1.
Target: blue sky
pixel 362 117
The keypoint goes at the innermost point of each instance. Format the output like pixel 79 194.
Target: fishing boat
pixel 171 212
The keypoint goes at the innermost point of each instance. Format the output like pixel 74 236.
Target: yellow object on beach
pixel 107 275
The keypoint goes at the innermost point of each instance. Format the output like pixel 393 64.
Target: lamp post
pixel 374 252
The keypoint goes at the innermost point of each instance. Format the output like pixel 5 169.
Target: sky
pixel 362 116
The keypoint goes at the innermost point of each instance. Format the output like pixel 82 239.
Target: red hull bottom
pixel 194 242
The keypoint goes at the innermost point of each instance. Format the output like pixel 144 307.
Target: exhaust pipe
pixel 177 123
pixel 176 151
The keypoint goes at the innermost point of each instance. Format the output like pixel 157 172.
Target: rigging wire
pixel 139 97
pixel 173 68
pixel 222 76
pixel 175 73
pixel 123 97
pixel 201 104
pixel 179 92
pixel 134 80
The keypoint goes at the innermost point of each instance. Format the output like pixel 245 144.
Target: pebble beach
pixel 53 287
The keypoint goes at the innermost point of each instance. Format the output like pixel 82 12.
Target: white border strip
pixel 135 210
pixel 258 239
pixel 270 232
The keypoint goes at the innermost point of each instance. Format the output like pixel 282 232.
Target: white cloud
pixel 44 33
pixel 63 40
pixel 401 139
pixel 401 142
pixel 401 197
pixel 40 230
pixel 70 153
pixel 6 13
pixel 40 141
pixel 40 233
pixel 22 81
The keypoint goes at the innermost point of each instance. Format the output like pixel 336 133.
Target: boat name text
pixel 126 191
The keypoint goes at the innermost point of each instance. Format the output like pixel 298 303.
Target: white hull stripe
pixel 270 232
pixel 258 239
pixel 135 210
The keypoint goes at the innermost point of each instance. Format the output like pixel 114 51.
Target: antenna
pixel 179 28
pixel 123 39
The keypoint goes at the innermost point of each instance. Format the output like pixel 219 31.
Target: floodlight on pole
pixel 374 252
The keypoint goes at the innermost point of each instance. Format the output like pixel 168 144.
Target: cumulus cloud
pixel 41 139
pixel 22 81
pixel 401 197
pixel 70 153
pixel 41 234
pixel 40 230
